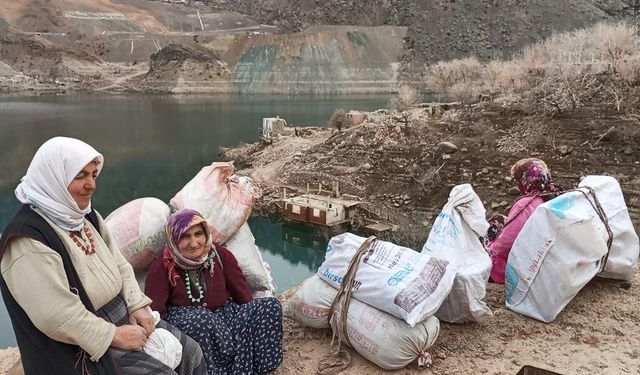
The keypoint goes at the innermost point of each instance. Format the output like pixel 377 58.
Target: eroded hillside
pixel 268 46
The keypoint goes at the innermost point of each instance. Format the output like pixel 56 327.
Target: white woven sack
pixel 454 237
pixel 622 261
pixel 311 303
pixel 223 198
pixel 559 250
pixel 395 279
pixel 381 338
pixel 138 229
pixel 243 246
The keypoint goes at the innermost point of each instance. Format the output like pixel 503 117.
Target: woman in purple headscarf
pixel 533 179
pixel 198 286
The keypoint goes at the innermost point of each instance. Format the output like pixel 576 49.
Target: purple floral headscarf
pixel 178 223
pixel 532 176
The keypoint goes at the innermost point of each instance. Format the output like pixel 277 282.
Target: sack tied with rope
pixel 566 243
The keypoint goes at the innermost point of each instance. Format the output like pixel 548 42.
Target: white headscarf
pixel 56 163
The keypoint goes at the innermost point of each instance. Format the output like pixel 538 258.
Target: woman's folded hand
pixel 143 318
pixel 129 337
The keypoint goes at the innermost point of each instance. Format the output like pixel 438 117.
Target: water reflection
pixel 300 247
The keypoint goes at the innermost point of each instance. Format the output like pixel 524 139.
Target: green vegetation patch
pixel 358 39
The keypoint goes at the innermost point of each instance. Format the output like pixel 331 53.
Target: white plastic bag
pixel 622 261
pixel 381 338
pixel 454 237
pixel 223 198
pixel 395 279
pixel 138 229
pixel 258 273
pixel 559 250
pixel 164 346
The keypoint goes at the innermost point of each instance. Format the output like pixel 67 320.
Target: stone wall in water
pixel 320 60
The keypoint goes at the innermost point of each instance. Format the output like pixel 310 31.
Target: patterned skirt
pixel 235 339
pixel 140 363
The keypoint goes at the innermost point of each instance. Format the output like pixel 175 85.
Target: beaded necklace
pixel 197 283
pixel 86 245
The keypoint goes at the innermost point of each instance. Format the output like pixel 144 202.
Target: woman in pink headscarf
pixel 533 179
pixel 198 287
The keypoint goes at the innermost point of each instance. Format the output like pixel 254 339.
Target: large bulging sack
pixel 258 273
pixel 311 303
pixel 622 261
pixel 559 250
pixel 454 237
pixel 138 229
pixel 395 279
pixel 381 338
pixel 223 198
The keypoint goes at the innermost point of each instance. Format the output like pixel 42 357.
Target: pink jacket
pixel 501 246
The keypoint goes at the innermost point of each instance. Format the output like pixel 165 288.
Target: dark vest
pixel 41 354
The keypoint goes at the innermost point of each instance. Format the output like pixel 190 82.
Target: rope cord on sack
pixel 339 359
pixel 603 217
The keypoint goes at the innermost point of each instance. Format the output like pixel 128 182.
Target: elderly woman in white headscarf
pixel 73 299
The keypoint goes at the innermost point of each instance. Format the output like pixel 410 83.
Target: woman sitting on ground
pixel 198 286
pixel 73 299
pixel 533 179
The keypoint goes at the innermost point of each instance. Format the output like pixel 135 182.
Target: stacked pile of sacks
pixel 223 198
pixel 399 295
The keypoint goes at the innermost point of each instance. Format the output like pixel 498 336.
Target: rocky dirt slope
pixel 405 173
pixel 440 30
pixel 186 68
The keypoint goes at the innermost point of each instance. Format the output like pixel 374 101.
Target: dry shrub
pixel 615 42
pixel 443 75
pixel 629 69
pixel 337 120
pixel 463 92
pixel 408 97
pixel 597 65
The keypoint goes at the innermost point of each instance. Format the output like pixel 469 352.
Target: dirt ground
pixel 597 333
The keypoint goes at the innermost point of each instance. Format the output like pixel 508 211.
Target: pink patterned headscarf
pixel 178 223
pixel 532 176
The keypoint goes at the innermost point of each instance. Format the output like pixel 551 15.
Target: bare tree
pixel 407 98
pixel 337 120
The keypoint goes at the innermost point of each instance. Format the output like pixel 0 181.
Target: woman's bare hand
pixel 129 337
pixel 143 318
